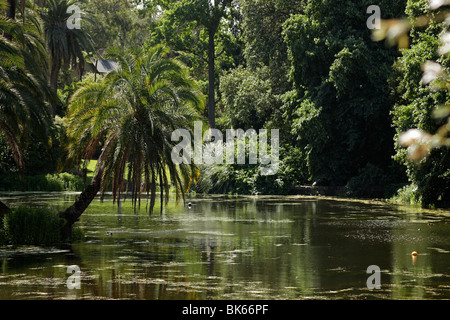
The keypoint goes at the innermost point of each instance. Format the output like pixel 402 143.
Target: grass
pixel 91 168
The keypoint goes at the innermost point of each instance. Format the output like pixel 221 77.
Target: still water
pixel 232 248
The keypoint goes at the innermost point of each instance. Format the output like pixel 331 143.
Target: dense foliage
pixel 341 112
pixel 30 226
pixel 24 90
pixel 310 68
pixel 134 110
pixel 415 103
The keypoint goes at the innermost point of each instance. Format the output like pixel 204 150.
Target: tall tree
pixel 262 27
pixel 200 23
pixel 119 23
pixel 415 104
pixel 24 91
pixel 252 94
pixel 66 45
pixel 340 75
pixel 134 110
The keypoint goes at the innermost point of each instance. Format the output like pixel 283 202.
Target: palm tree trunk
pixel 73 213
pixel 11 11
pixel 10 14
pixel 211 80
pixel 54 71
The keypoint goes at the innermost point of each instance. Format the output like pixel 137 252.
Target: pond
pixel 234 248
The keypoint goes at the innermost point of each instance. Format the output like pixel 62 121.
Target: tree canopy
pixel 340 77
pixel 414 107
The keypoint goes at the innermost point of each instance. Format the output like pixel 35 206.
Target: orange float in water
pixel 414 253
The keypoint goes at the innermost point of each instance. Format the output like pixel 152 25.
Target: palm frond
pixel 137 108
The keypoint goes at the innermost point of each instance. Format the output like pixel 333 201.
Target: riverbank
pixel 396 194
pixel 343 191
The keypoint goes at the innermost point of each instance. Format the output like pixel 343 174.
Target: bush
pixel 40 158
pixel 370 182
pixel 64 182
pixel 408 195
pixel 247 179
pixel 248 100
pixel 49 182
pixel 31 226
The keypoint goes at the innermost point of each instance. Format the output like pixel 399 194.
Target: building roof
pixel 105 65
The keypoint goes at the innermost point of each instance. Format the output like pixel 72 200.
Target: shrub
pixel 248 100
pixel 49 182
pixel 65 182
pixel 368 183
pixel 408 195
pixel 247 179
pixel 40 158
pixel 31 226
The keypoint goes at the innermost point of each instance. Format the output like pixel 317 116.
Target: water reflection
pixel 239 248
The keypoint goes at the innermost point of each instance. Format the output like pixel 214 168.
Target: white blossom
pixel 413 136
pixel 435 4
pixel 431 71
pixel 445 43
pixel 419 143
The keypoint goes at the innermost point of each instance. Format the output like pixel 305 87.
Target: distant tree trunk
pixel 11 11
pixel 10 14
pixel 54 71
pixel 41 3
pixel 212 79
pixel 4 209
pixel 73 213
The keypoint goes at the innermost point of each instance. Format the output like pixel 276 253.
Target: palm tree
pixel 66 45
pixel 134 110
pixel 11 6
pixel 23 85
pixel 24 91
